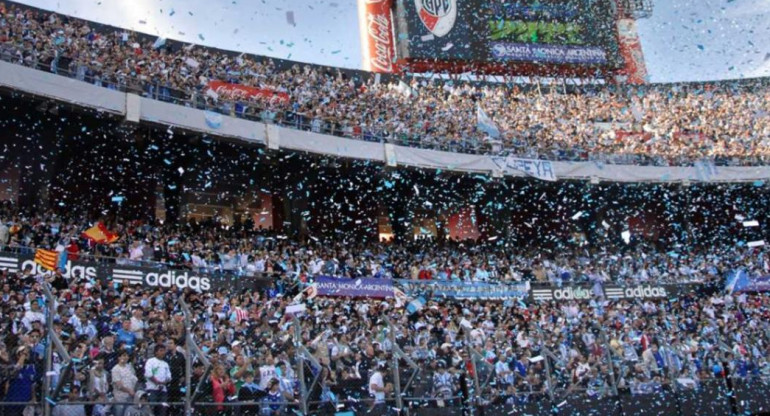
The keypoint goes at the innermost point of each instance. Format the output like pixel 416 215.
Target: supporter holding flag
pixel 62 261
pixel 47 259
pixel 485 123
pixel 443 385
pixel 100 235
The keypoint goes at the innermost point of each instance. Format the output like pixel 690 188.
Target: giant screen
pixel 560 32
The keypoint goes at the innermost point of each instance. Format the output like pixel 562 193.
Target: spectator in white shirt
pixel 260 265
pixel 123 383
pixel 97 380
pixel 136 252
pixel 32 315
pixel 157 375
pixel 5 234
pixel 378 389
pixel 137 324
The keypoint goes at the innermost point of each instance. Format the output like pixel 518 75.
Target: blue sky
pixel 684 40
pixel 687 40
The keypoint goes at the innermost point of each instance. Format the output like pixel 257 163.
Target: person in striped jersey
pixel 443 386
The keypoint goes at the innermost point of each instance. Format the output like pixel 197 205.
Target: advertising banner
pixel 739 281
pixel 562 293
pixel 640 292
pixel 74 269
pixel 631 50
pixel 231 91
pixel 145 276
pixel 362 287
pixel 441 29
pixel 578 32
pixel 464 290
pixel 554 54
pixel 183 279
pixel 377 35
pixel 612 292
pixel 541 169
pixel 632 136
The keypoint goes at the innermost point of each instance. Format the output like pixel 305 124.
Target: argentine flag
pixel 415 305
pixel 485 123
pixel 62 261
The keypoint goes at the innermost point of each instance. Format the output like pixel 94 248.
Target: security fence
pixel 56 363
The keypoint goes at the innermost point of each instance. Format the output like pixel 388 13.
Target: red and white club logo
pixel 437 15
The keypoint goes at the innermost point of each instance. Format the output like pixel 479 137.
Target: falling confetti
pixel 544 279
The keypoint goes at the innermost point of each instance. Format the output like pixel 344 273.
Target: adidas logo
pixel 568 293
pixel 639 292
pixel 69 270
pixel 168 279
pixel 9 263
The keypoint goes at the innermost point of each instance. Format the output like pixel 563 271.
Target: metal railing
pixel 745 393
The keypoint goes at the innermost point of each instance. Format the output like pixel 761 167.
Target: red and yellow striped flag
pixel 99 234
pixel 46 258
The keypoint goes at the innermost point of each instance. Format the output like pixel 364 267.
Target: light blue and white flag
pixel 415 305
pixel 160 42
pixel 485 123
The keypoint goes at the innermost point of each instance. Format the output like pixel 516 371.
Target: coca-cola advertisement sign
pixel 631 51
pixel 377 28
pixel 231 91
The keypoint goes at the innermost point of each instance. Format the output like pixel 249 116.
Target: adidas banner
pixel 132 275
pixel 611 292
pixel 464 290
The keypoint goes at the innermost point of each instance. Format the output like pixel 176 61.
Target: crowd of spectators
pixel 129 352
pixel 653 124
pixel 129 345
pixel 242 249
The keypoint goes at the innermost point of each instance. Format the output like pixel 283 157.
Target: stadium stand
pixel 109 311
